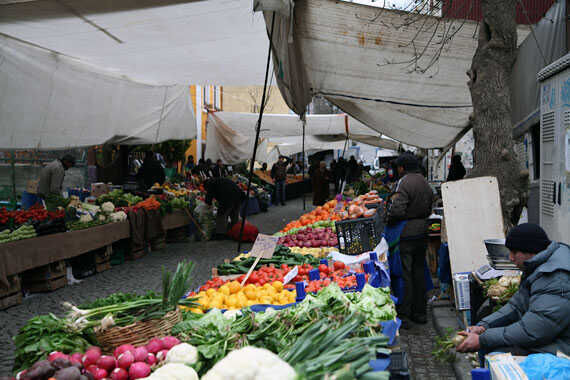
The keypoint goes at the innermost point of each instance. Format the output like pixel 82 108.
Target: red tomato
pixel 323 268
pixel 338 265
pixel 285 267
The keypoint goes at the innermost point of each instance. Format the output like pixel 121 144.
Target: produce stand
pixel 176 219
pixel 19 256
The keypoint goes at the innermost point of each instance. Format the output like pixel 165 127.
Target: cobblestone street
pixel 144 274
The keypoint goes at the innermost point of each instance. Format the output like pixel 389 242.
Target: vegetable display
pixel 319 237
pixel 119 198
pixel 25 231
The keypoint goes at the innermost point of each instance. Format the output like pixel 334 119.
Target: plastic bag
pixel 546 366
pixel 202 209
pixel 249 232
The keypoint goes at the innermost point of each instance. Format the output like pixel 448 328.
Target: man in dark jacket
pixel 411 202
pixel 537 317
pixel 279 175
pixel 229 197
pixel 219 170
pixel 151 171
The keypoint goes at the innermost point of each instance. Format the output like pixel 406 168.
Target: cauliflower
pixel 182 353
pixel 251 363
pixel 118 216
pixel 107 207
pixel 173 371
pixel 101 217
pixel 85 218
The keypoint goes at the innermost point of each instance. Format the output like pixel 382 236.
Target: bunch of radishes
pixel 127 363
pixel 310 238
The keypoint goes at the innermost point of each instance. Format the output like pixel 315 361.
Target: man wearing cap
pixel 537 317
pixel 51 176
pixel 408 209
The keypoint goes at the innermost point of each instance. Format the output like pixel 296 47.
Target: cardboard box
pixel 32 186
pixel 99 188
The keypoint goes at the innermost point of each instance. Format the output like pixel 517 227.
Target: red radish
pixel 125 360
pixel 100 374
pixel 119 374
pixel 90 357
pixel 122 349
pixel 162 355
pixel 98 349
pixel 106 362
pixel 150 359
pixel 139 370
pixel 169 341
pixel 140 354
pixel 92 369
pixel 76 357
pixel 154 345
pixel 56 355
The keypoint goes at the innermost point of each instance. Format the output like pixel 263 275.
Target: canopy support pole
pixel 257 130
pixel 13 166
pixel 304 119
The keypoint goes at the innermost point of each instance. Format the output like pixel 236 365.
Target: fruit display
pixel 309 237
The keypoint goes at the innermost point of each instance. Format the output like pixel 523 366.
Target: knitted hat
pixel 528 238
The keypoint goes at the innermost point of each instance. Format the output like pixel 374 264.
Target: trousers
pixel 280 192
pixel 412 255
pixel 224 213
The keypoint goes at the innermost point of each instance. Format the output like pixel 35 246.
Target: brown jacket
pixel 411 201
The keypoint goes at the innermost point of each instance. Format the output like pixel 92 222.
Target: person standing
pixel 219 170
pixel 408 211
pixel 151 171
pixel 279 175
pixel 229 197
pixel 52 175
pixel 352 169
pixel 456 169
pixel 320 181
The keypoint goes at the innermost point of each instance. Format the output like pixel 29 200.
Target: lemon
pixel 277 285
pixel 225 290
pixel 210 292
pixel 234 287
pixel 196 310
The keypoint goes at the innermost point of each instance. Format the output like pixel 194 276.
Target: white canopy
pixel 50 101
pixel 231 134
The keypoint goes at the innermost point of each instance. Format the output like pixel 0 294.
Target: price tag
pixel 264 246
pixel 291 275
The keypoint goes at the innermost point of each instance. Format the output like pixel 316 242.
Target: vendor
pixel 151 171
pixel 537 317
pixel 229 197
pixel 51 176
pixel 219 170
pixel 408 211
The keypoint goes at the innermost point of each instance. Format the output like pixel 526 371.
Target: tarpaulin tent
pixel 231 134
pixel 360 58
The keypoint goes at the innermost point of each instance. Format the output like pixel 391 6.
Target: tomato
pixel 338 265
pixel 240 278
pixel 285 267
pixel 253 277
pixel 323 268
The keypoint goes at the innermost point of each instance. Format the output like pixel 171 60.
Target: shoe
pixel 283 204
pixel 406 324
pixel 420 319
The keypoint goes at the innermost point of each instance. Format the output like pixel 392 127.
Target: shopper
pixel 219 170
pixel 410 206
pixel 537 317
pixel 352 169
pixel 52 175
pixel 151 171
pixel 229 197
pixel 320 181
pixel 456 169
pixel 279 175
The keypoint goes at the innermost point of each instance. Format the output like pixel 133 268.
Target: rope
pixel 393 101
pixel 533 34
pixel 258 129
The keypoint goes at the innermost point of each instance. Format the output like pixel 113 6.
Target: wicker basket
pixel 138 333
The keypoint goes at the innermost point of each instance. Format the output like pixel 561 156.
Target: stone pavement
pixel 144 274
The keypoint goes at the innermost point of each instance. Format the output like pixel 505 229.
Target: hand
pixel 470 344
pixel 476 329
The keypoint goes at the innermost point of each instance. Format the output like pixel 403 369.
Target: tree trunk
pixel 489 83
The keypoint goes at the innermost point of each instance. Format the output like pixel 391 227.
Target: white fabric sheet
pixel 50 101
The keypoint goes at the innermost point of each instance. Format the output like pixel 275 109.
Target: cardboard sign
pixel 291 275
pixel 264 246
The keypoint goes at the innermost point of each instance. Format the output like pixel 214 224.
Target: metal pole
pixel 303 163
pixel 13 165
pixel 258 128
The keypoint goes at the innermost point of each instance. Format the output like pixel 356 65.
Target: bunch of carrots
pixel 149 204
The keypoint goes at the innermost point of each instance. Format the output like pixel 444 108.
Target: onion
pixel 90 358
pixel 56 355
pixel 151 359
pixel 106 362
pixel 99 374
pixel 98 349
pixel 119 374
pixel 139 370
pixel 122 349
pixel 162 355
pixel 125 360
pixel 76 357
pixel 154 345
pixel 140 354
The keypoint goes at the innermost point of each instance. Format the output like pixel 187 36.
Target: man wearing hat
pixel 537 317
pixel 51 176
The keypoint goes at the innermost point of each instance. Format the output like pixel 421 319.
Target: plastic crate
pixel 398 367
pixel 358 235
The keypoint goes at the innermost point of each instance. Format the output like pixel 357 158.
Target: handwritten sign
pixel 291 275
pixel 264 246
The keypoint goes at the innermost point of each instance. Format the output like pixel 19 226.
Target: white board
pixel 472 210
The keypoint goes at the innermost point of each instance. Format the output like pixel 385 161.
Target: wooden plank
pixel 175 219
pixel 472 209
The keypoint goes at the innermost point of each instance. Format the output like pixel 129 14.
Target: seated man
pixel 537 318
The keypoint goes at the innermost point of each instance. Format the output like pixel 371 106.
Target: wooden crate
pixel 48 285
pixel 12 295
pixel 45 272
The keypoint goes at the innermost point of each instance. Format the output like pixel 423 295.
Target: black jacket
pixel 225 191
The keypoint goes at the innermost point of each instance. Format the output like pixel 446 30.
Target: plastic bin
pixel 358 235
pixel 398 367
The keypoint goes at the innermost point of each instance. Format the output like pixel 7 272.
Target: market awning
pixel 231 134
pixel 361 59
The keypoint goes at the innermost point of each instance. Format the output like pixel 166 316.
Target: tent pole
pixel 13 165
pixel 258 128
pixel 303 162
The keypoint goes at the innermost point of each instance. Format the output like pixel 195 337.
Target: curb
pixel 443 317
